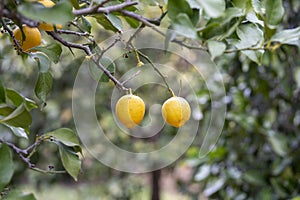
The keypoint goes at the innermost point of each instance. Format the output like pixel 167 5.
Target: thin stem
pixel 108 9
pixel 88 52
pixel 48 171
pixel 19 48
pixel 109 47
pixel 132 77
pixel 157 70
pixel 244 49
pixel 68 32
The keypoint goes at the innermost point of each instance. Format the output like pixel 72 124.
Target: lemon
pixel 46 26
pixel 130 110
pixel 32 37
pixel 176 111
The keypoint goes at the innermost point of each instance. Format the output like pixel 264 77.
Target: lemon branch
pixel 88 52
pixel 11 34
pixel 157 70
pixel 24 155
pixel 98 9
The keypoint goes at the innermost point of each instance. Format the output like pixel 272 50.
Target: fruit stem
pixel 130 91
pixel 156 69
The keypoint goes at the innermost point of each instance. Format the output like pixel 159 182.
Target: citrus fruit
pixel 130 110
pixel 32 37
pixel 46 26
pixel 176 111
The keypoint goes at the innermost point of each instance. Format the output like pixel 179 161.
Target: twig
pixel 108 9
pixel 23 152
pixel 68 32
pixel 86 49
pixel 88 52
pixel 138 30
pixel 157 70
pixel 106 49
pixel 19 48
pixel 132 77
pixel 244 49
pixel 142 19
pixel 48 171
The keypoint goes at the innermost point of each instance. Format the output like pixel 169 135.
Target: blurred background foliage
pixel 257 155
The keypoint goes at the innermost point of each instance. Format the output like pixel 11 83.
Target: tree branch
pixel 88 52
pixel 23 152
pixel 108 9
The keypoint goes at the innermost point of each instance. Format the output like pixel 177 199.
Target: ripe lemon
pixel 176 111
pixel 130 110
pixel 43 25
pixel 32 37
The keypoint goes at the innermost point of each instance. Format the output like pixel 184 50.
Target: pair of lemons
pixel 130 110
pixel 32 35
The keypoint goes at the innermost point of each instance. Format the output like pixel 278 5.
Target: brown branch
pixel 11 34
pixel 88 52
pixel 22 153
pixel 69 32
pixel 108 9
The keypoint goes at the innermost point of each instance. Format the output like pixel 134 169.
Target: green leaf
pixel 176 7
pixel 65 136
pixel 250 36
pixel 110 22
pixel 70 161
pixel 75 4
pixel 30 104
pixel 85 24
pixel 6 166
pixel 184 26
pixel 288 36
pixel 251 17
pixel 274 12
pixel 2 93
pixel 5 110
pixel 115 21
pixel 14 97
pixel 254 177
pixel 61 13
pixel 258 7
pixel 213 8
pixel 19 195
pixel 53 51
pixel 18 131
pixel 20 117
pixel 215 48
pixel 279 144
pixel 43 85
pixel 132 22
pixel 240 3
pixel 42 60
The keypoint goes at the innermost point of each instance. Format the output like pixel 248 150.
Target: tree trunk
pixel 155 185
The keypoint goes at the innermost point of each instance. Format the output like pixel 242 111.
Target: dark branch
pixel 108 9
pixel 88 52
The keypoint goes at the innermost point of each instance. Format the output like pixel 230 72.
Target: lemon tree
pixel 254 43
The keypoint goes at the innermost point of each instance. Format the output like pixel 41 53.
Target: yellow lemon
pixel 130 110
pixel 46 26
pixel 32 37
pixel 176 111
